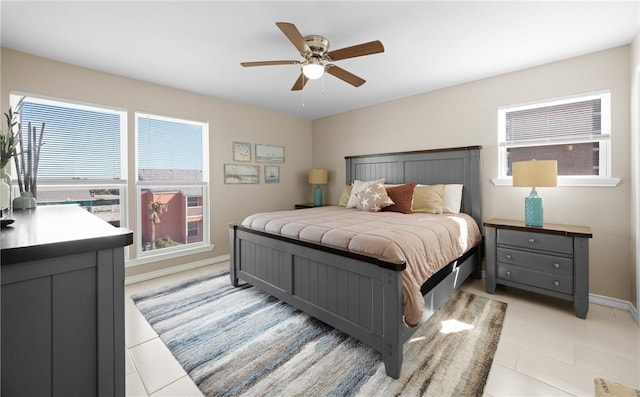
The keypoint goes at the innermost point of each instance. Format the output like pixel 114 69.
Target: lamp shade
pixel 313 69
pixel 318 176
pixel 535 173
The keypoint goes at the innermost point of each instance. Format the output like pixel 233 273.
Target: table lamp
pixel 534 173
pixel 317 176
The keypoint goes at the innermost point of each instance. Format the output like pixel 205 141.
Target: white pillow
pixel 452 198
pixel 359 186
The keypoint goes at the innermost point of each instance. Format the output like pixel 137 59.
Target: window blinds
pixel 169 149
pixel 569 122
pixel 78 143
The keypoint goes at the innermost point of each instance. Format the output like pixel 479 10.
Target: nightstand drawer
pixel 557 283
pixel 539 262
pixel 536 241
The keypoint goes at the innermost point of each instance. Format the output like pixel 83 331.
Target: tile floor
pixel 544 349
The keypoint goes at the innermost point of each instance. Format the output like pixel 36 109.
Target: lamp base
pixel 533 210
pixel 317 196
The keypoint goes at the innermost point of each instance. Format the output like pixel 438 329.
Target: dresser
pixel 62 304
pixel 551 260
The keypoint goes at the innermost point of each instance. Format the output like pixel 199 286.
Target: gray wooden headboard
pixel 428 167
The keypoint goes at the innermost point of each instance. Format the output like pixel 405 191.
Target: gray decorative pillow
pixel 373 198
pixel 357 187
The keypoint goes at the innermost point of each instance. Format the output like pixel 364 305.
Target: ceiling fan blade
pixel 299 84
pixel 372 47
pixel 267 63
pixel 294 36
pixel 344 75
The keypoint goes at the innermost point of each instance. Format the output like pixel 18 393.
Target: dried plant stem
pixel 20 164
pixel 27 177
pixel 29 161
pixel 37 160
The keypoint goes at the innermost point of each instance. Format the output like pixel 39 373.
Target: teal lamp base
pixel 533 212
pixel 317 196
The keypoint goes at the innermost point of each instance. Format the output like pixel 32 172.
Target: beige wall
pixel 467 115
pixel 228 122
pixel 635 168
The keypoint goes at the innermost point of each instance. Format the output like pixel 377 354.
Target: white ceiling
pixel 198 46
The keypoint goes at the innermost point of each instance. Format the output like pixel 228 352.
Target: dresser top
pixel 57 230
pixel 547 228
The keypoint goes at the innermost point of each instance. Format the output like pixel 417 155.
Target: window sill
pixel 145 257
pixel 584 181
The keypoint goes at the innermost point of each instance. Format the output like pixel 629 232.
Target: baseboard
pixel 175 269
pixel 613 303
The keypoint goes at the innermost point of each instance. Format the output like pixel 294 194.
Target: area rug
pixel 241 341
pixel 607 388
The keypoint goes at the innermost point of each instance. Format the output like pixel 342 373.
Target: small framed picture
pixel 271 174
pixel 241 151
pixel 269 154
pixel 241 174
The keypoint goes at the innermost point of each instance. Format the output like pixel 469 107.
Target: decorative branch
pixel 20 165
pixel 37 160
pixel 27 165
pixel 27 177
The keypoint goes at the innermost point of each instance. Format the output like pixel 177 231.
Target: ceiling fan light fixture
pixel 313 69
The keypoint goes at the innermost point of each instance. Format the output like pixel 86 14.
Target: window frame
pixel 122 114
pixel 184 249
pixel 61 184
pixel 603 178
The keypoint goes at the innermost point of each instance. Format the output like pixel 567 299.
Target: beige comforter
pixel 425 242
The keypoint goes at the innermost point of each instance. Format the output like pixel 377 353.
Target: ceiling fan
pixel 315 50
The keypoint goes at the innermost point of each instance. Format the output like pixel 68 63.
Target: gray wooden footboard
pixel 357 294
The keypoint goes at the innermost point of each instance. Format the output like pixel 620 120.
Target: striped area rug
pixel 241 341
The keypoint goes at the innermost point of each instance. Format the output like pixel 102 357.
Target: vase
pixel 24 202
pixel 5 190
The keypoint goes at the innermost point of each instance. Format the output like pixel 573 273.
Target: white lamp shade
pixel 318 176
pixel 535 173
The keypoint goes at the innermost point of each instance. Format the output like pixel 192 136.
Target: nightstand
pixel 306 205
pixel 551 260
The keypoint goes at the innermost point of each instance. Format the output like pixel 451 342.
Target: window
pixel 193 229
pixel 193 201
pixel 81 156
pixel 574 131
pixel 172 183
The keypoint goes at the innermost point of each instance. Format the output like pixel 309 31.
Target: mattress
pixel 426 242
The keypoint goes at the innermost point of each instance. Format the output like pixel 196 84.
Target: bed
pixel 361 294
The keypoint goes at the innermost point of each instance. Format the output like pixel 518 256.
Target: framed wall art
pixel 269 154
pixel 241 151
pixel 271 174
pixel 235 174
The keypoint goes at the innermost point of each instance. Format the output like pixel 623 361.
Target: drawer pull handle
pixel 556 283
pixel 556 265
pixel 508 256
pixel 532 240
pixel 508 273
